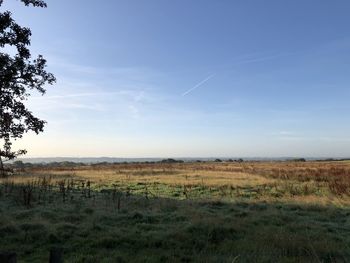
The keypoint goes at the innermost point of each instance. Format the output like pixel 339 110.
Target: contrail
pixel 247 61
pixel 198 85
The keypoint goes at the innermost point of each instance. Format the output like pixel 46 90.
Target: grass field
pixel 184 212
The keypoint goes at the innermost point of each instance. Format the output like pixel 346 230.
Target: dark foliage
pixel 19 75
pixel 170 160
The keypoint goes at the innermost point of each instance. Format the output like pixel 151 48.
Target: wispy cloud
pixel 259 59
pixel 67 68
pixel 251 58
pixel 312 138
pixel 87 94
pixel 198 85
pixel 285 133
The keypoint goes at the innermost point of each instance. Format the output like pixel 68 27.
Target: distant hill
pixel 88 160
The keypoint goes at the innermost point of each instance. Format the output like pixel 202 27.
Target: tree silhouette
pixel 18 76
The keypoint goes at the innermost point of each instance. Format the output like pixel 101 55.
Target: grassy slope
pixel 224 213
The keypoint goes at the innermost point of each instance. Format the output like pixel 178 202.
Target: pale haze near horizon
pixel 191 78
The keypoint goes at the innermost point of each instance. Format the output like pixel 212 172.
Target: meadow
pixel 179 212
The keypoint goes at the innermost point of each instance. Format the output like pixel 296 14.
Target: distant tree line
pixel 19 164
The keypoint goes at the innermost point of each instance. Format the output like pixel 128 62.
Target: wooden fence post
pixel 56 255
pixel 8 258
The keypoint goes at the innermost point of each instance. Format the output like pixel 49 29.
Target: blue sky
pixel 192 78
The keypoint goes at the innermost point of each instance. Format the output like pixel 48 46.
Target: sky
pixel 191 78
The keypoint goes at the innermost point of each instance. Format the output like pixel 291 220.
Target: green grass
pixel 226 192
pixel 159 223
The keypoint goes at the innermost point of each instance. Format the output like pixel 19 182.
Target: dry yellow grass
pixel 309 182
pixel 184 174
